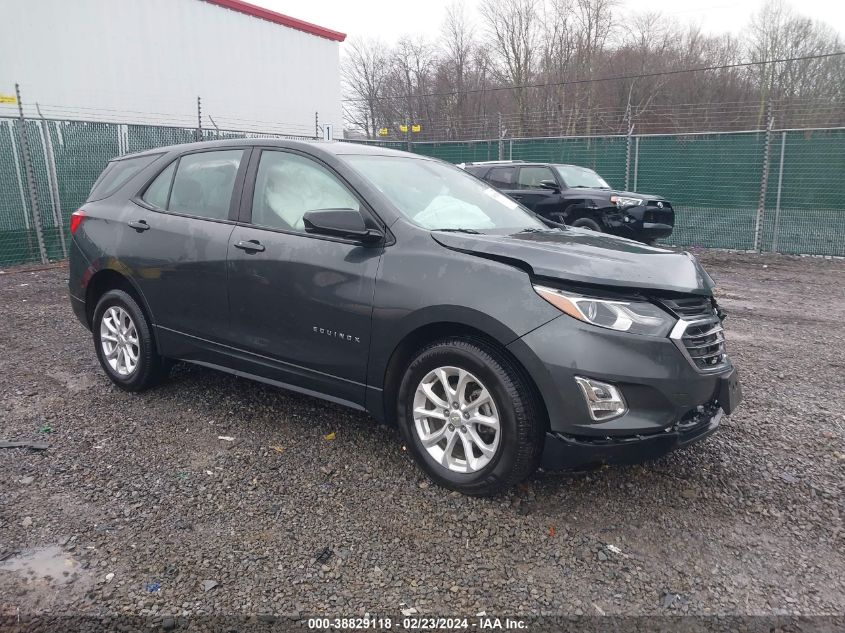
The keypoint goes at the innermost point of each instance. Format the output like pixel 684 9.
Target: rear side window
pixel 116 174
pixel 197 184
pixel 158 192
pixel 501 177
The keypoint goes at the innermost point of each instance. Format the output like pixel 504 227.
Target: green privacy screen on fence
pixel 80 151
pixel 714 180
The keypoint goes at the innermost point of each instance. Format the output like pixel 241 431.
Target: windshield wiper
pixel 459 231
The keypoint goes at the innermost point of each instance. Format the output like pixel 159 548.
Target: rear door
pixel 300 304
pixel 178 232
pixel 529 192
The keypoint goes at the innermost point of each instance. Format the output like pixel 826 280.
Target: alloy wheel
pixel 119 340
pixel 456 419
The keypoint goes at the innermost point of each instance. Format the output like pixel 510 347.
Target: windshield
pixel 435 195
pixel 581 177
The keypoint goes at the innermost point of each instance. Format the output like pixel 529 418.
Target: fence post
pixel 316 125
pixel 501 138
pixel 199 118
pixel 30 178
pixel 53 181
pixel 780 186
pixel 216 129
pixel 628 156
pixel 636 160
pixel 764 181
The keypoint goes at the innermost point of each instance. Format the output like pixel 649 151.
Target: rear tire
pixel 124 343
pixel 472 454
pixel 587 223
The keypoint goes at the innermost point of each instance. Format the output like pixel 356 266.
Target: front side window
pixel 581 177
pixel 202 185
pixel 435 195
pixel 287 186
pixel 532 177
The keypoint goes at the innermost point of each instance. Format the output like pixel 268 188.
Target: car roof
pixel 336 148
pixel 519 163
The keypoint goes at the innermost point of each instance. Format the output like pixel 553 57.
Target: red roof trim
pixel 278 18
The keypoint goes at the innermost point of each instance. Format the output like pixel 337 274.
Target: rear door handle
pixel 250 246
pixel 140 225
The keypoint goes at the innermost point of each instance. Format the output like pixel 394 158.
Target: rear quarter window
pixel 116 174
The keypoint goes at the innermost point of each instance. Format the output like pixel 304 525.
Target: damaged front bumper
pixel 568 452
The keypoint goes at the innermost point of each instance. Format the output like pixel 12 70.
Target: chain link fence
pixel 65 158
pixel 770 190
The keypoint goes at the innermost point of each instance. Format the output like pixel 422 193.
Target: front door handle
pixel 140 225
pixel 250 246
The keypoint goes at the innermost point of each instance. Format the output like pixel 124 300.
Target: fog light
pixel 604 401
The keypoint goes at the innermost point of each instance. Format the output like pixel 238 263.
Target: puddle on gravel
pixel 47 563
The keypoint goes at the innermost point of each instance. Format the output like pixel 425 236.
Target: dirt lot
pixel 138 508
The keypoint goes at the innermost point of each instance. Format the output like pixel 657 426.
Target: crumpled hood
pixel 582 256
pixel 606 193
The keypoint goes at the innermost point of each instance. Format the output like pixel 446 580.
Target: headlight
pixel 636 317
pixel 624 201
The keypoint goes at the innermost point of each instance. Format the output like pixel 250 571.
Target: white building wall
pixel 146 61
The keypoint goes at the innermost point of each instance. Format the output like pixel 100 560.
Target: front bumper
pixel 664 392
pixel 572 452
pixel 654 230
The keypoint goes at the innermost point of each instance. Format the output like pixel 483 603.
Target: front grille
pixel 704 342
pixel 699 333
pixel 659 215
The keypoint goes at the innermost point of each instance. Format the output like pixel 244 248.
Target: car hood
pixel 582 256
pixel 606 193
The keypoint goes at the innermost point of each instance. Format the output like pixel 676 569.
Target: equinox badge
pixel 336 334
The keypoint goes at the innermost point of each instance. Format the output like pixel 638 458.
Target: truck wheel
pixel 469 417
pixel 587 223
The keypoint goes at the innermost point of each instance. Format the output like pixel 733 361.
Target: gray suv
pixel 402 286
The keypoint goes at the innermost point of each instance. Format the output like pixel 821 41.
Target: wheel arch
pixel 416 339
pixel 107 279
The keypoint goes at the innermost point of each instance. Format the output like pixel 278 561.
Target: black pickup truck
pixel 578 196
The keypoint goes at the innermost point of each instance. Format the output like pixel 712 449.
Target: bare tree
pixel 537 62
pixel 513 30
pixel 365 72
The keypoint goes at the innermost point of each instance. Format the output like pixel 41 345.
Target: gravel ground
pixel 139 508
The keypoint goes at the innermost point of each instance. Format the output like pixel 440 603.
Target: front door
pixel 529 191
pixel 300 304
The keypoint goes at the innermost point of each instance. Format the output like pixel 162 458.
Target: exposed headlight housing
pixel 622 202
pixel 636 317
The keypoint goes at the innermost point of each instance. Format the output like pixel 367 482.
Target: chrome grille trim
pixel 704 350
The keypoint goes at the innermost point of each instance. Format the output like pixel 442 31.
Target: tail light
pixel 75 220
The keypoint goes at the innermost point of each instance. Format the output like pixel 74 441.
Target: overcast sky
pixel 389 19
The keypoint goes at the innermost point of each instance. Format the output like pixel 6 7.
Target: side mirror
pixel 549 184
pixel 347 223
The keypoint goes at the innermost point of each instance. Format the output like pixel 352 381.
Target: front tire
pixel 587 223
pixel 470 417
pixel 124 343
